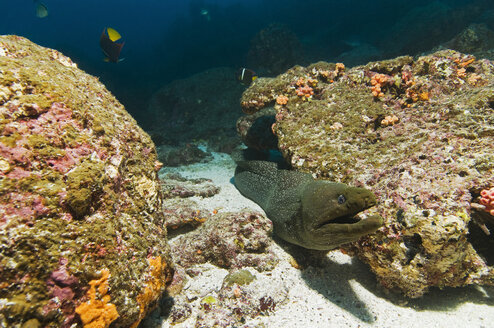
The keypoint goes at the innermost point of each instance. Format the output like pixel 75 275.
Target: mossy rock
pixel 418 133
pixel 80 201
pixel 240 277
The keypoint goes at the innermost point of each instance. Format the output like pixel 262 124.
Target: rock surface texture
pixel 419 134
pixel 190 109
pixel 82 242
pixel 476 39
pixel 221 248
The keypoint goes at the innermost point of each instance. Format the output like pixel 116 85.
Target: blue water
pixel 171 39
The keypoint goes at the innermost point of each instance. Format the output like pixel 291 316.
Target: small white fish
pixel 353 42
pixel 41 10
pixel 205 13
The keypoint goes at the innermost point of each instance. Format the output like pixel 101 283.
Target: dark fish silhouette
pixel 110 48
pixel 246 76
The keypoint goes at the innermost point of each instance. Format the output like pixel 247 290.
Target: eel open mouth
pixel 344 219
pixel 347 219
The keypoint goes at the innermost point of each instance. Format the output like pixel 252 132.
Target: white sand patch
pixel 220 170
pixel 341 293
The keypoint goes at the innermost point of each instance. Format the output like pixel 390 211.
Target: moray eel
pixel 314 214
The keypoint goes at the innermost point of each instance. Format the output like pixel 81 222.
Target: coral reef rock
pixel 179 209
pixel 360 54
pixel 419 134
pixel 180 212
pixel 190 109
pixel 476 39
pixel 239 299
pixel 425 26
pixel 182 155
pixel 228 240
pixel 274 49
pixel 175 185
pixel 82 239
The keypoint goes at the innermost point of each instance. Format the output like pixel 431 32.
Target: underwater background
pixel 109 223
pixel 168 40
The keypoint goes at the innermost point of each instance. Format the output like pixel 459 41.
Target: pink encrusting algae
pixel 79 192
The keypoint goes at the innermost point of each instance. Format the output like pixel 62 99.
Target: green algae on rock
pixel 228 240
pixel 190 109
pixel 80 203
pixel 238 302
pixel 419 134
pixel 240 277
pixel 274 49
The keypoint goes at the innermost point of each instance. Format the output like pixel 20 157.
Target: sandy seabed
pixel 341 293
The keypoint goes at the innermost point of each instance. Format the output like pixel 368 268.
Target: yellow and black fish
pixel 246 76
pixel 110 47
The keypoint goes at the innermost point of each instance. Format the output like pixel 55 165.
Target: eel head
pixel 329 214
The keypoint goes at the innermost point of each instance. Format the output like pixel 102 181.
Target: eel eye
pixel 341 199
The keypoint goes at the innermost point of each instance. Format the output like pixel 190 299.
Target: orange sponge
pixel 98 313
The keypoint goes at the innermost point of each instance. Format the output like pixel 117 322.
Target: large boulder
pixel 202 106
pixel 274 49
pixel 476 39
pixel 420 134
pixel 425 26
pixel 82 237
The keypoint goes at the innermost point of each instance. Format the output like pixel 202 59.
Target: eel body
pixel 314 214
